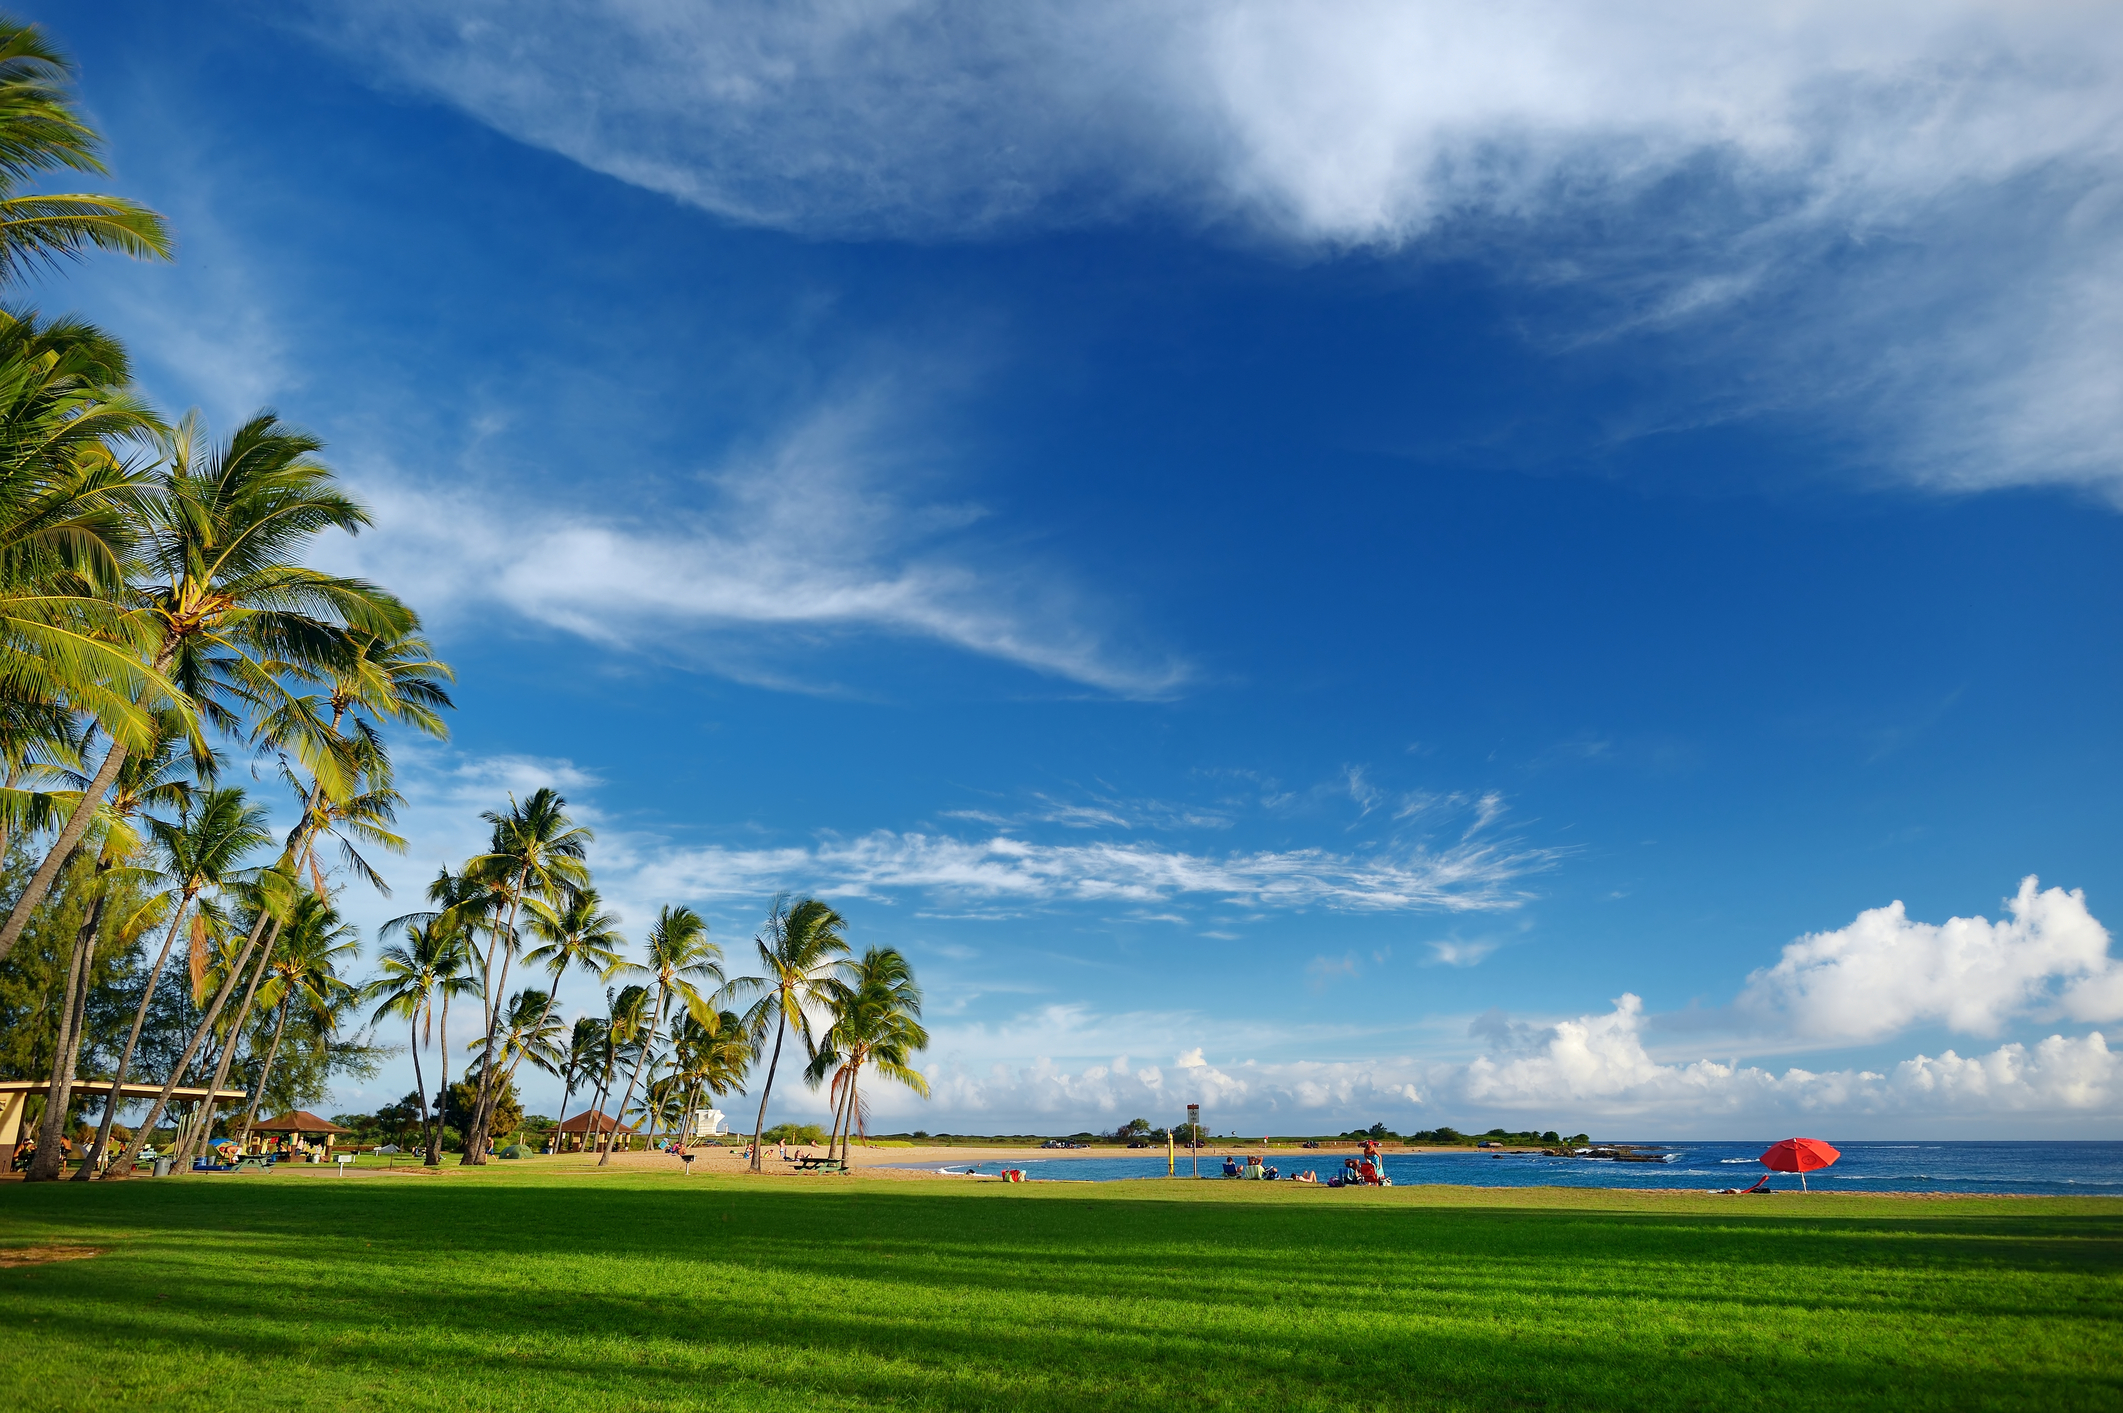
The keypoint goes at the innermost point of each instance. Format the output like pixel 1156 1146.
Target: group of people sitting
pixel 1253 1169
pixel 1356 1172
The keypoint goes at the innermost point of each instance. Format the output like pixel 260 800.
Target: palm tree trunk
pixel 243 1015
pixel 839 1095
pixel 496 993
pixel 647 1042
pixel 845 1118
pixel 442 1094
pixel 50 1159
pixel 62 849
pixel 781 1030
pixel 567 1092
pixel 604 1087
pixel 685 1119
pixel 206 1025
pixel 420 1085
pixel 125 1057
pixel 250 1116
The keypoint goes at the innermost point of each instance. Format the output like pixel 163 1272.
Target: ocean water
pixel 2061 1169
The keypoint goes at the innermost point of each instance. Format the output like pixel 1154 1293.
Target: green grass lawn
pixel 536 1287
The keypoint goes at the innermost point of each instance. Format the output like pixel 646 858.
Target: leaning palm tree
pixel 527 1032
pixel 201 851
pixel 579 934
pixel 356 800
pixel 41 131
pixel 876 1024
pixel 589 1044
pixel 234 616
pixel 624 1028
pixel 680 959
pixel 535 858
pixel 800 951
pixel 68 524
pixel 710 1054
pixel 314 944
pixel 228 612
pixel 149 780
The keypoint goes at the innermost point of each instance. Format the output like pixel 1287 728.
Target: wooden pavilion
pixel 301 1128
pixel 592 1123
pixel 15 1093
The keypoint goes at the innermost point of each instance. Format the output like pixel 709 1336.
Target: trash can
pixel 162 1167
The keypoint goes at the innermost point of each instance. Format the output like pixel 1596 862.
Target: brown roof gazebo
pixel 591 1122
pixel 300 1123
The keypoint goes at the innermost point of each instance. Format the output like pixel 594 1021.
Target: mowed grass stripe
pixel 535 1288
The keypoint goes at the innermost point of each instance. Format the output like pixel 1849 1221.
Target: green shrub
pixel 794 1133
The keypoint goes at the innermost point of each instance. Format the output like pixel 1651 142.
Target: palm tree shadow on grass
pixel 962 1299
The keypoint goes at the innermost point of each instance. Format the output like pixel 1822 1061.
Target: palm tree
pixel 799 952
pixel 536 855
pixel 876 1023
pixel 527 1032
pixel 202 851
pixel 227 613
pixel 624 1027
pixel 147 781
pixel 40 744
pixel 312 945
pixel 357 808
pixel 709 1054
pixel 349 805
pixel 431 964
pixel 40 132
pixel 68 522
pixel 461 903
pixel 236 617
pixel 680 957
pixel 589 1050
pixel 579 933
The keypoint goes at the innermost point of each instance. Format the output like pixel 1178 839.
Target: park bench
pixel 809 1163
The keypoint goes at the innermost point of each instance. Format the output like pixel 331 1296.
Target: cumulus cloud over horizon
pixel 1884 973
pixel 1878 977
pixel 1908 210
pixel 1591 1069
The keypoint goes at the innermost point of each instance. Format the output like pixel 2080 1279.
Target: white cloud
pixel 800 541
pixel 1919 199
pixel 1040 1069
pixel 1455 952
pixel 1884 973
pixel 1597 1067
pixel 1598 1064
pixel 1467 876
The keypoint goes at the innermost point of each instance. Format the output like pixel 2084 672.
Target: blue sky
pixel 1346 563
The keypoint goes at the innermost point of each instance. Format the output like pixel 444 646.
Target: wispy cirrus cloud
pixel 1908 212
pixel 1463 877
pixel 745 572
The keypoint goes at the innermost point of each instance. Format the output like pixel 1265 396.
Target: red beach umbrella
pixel 1799 1155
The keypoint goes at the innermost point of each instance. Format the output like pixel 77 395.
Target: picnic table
pixel 810 1163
